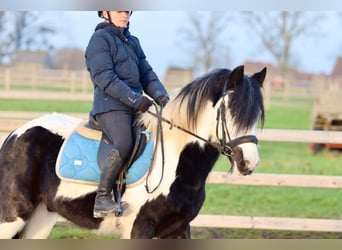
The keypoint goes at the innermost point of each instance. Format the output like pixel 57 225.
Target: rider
pixel 120 74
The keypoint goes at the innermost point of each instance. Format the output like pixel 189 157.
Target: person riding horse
pixel 120 74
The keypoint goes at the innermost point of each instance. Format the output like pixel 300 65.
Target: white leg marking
pixel 40 224
pixel 9 229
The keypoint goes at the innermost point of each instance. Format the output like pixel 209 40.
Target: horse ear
pixel 260 76
pixel 236 76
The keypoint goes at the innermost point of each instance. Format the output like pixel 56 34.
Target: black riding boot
pixel 104 203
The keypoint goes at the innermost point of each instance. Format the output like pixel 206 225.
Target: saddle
pixel 83 152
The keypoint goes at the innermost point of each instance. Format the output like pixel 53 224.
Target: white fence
pixel 10 120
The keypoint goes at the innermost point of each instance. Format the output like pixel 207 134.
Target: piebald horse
pixel 214 114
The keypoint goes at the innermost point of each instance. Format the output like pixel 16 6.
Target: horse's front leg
pixel 176 232
pixel 144 230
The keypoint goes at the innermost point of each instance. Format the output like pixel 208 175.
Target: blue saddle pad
pixel 78 161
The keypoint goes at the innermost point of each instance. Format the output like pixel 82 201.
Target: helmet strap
pixel 109 17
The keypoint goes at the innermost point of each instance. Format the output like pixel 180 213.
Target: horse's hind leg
pixel 9 229
pixel 40 224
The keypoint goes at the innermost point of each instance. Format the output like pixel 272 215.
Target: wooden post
pixel 84 81
pixel 286 89
pixel 72 82
pixel 34 77
pixel 7 79
pixel 267 93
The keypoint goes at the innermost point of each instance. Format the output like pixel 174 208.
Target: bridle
pixel 226 143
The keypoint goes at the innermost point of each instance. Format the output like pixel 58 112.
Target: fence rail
pixel 36 78
pixel 39 78
pixel 268 223
pixel 11 120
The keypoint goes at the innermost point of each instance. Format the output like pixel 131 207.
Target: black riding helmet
pixel 99 13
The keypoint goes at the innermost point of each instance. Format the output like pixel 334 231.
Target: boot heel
pixel 99 215
pixel 102 214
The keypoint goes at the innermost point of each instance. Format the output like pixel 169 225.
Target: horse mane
pixel 245 101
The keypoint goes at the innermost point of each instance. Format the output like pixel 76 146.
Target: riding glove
pixel 162 100
pixel 144 103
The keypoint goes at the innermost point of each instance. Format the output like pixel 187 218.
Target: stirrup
pixel 121 208
pixel 122 205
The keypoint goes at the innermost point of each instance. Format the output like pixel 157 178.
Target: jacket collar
pixel 123 33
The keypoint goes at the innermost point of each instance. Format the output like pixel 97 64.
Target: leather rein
pixel 225 147
pixel 226 143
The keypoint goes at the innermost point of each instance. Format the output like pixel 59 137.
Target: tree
pixel 278 31
pixel 201 38
pixel 30 32
pixel 4 39
pixel 25 30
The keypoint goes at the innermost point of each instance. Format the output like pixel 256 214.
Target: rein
pixel 161 135
pixel 226 143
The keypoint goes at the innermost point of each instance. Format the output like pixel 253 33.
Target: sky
pixel 158 32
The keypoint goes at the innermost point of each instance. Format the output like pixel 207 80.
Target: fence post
pixel 267 92
pixel 7 79
pixel 34 78
pixel 84 80
pixel 72 82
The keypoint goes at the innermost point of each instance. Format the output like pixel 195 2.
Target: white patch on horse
pixel 61 124
pixel 40 223
pixel 8 230
pixel 70 190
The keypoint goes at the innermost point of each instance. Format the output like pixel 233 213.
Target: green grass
pixel 48 87
pixel 68 231
pixel 282 117
pixel 273 201
pixel 64 106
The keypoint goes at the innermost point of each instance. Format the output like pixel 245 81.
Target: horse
pixel 216 113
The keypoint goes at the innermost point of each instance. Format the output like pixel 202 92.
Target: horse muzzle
pixel 245 166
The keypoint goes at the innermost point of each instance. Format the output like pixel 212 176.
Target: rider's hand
pixel 162 100
pixel 144 103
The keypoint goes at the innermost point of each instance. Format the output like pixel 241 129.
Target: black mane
pixel 245 98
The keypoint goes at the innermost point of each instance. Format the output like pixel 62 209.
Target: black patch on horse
pixel 169 217
pixel 24 160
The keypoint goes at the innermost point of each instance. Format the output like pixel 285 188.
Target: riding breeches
pixel 117 125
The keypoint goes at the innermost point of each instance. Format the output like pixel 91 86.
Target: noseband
pixel 226 143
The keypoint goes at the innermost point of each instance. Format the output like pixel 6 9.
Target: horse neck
pixel 178 146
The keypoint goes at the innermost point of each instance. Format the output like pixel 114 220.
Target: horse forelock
pixel 194 98
pixel 246 104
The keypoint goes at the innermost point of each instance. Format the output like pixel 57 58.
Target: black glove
pixel 162 100
pixel 144 103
